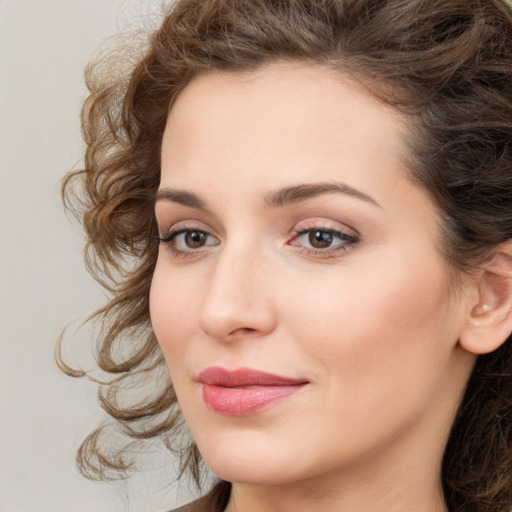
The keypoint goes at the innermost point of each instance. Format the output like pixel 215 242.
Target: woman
pixel 329 183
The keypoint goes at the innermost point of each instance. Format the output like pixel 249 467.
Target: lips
pixel 245 391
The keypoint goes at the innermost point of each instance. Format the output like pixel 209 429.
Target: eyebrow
pixel 275 199
pixel 299 193
pixel 181 197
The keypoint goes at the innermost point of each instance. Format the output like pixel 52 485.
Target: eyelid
pixel 325 224
pixel 173 233
pixel 349 238
pixel 179 249
pixel 183 225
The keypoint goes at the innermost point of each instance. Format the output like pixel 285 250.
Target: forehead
pixel 283 123
pixel 304 100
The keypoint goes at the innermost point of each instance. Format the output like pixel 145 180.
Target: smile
pixel 244 391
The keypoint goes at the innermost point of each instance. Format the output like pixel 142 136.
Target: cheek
pixel 379 346
pixel 371 325
pixel 172 310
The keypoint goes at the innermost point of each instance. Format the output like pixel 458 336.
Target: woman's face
pixel 300 298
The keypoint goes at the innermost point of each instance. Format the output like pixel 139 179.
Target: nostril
pixel 243 330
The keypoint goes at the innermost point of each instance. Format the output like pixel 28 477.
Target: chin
pixel 247 471
pixel 243 459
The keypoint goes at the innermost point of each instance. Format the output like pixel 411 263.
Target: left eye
pixel 323 238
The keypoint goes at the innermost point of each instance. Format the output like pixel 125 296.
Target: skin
pixel 371 322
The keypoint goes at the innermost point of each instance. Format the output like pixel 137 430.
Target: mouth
pixel 245 391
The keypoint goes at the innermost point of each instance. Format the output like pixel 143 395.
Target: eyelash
pixel 346 241
pixel 174 233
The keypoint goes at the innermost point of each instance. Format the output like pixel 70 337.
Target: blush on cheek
pixel 370 315
pixel 172 306
pixel 160 306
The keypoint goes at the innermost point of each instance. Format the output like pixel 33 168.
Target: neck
pixel 355 493
pixel 411 482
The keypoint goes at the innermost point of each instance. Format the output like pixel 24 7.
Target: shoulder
pixel 200 505
pixel 215 501
pixel 183 508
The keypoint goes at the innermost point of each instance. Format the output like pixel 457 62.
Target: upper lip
pixel 217 376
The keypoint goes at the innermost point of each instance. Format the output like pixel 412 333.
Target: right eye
pixel 183 241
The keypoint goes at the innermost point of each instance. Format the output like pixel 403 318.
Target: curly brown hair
pixel 445 63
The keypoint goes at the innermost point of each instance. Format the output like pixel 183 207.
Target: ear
pixel 489 321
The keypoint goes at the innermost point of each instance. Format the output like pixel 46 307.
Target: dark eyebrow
pixel 274 199
pixel 298 193
pixel 180 197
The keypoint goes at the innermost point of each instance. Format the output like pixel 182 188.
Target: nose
pixel 238 304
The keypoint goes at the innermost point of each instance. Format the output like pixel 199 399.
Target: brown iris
pixel 320 239
pixel 195 239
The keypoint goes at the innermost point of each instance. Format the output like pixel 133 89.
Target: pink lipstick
pixel 244 391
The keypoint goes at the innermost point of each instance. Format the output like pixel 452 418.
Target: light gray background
pixel 44 45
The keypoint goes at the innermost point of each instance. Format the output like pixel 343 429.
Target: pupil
pixel 195 239
pixel 320 239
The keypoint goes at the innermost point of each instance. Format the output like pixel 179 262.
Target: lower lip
pixel 243 401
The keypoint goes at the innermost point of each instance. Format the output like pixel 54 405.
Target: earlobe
pixel 490 316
